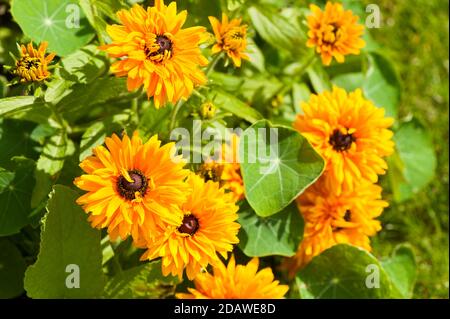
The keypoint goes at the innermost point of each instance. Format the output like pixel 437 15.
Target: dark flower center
pixel 128 189
pixel 29 63
pixel 348 216
pixel 211 172
pixel 340 141
pixel 164 44
pixel 189 225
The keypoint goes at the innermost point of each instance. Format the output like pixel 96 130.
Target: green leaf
pixel 15 141
pixel 84 96
pixel 12 269
pixel 341 272
pixel 52 157
pixel 381 84
pixel 154 121
pixel 276 30
pixel 25 108
pixel 416 161
pixel 145 281
pixel 402 271
pixel 96 133
pixel 15 209
pixel 319 78
pixel 66 239
pixel 349 81
pixel 14 104
pixel 85 65
pixel 6 178
pixel 300 93
pixel 230 103
pixel 279 234
pixel 61 23
pixel 277 165
pixel 255 55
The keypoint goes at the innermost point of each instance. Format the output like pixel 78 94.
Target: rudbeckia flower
pixel 331 219
pixel 350 133
pixel 236 282
pixel 133 186
pixel 231 38
pixel 33 63
pixel 334 32
pixel 154 51
pixel 208 227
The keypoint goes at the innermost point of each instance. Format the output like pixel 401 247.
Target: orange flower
pixel 156 52
pixel 209 227
pixel 236 282
pixel 350 133
pixel 334 32
pixel 332 219
pixel 133 187
pixel 33 64
pixel 231 37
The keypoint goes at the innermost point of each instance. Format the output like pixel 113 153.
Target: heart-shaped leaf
pixel 277 165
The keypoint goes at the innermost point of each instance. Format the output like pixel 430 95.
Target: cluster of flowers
pixel 143 191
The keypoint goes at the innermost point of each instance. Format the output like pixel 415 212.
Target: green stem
pixel 309 62
pixel 173 117
pixel 213 63
pixel 135 109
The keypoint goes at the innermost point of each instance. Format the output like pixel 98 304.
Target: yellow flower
pixel 231 37
pixel 209 227
pixel 350 133
pixel 154 51
pixel 334 32
pixel 236 282
pixel 332 219
pixel 133 187
pixel 33 64
pixel 226 171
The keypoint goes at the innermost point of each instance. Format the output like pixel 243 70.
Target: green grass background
pixel 415 33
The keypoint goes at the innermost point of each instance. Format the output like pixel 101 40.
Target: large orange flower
pixel 133 187
pixel 33 63
pixel 231 38
pixel 331 219
pixel 236 282
pixel 350 133
pixel 156 52
pixel 209 227
pixel 334 32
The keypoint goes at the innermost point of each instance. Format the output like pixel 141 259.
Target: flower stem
pixel 213 63
pixel 310 61
pixel 173 117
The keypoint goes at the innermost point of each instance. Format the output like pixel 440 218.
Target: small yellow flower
pixel 350 133
pixel 155 52
pixel 207 110
pixel 33 64
pixel 208 227
pixel 332 219
pixel 236 282
pixel 334 32
pixel 132 187
pixel 231 37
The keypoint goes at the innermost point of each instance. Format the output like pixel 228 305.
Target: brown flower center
pixel 128 189
pixel 189 225
pixel 211 172
pixel 160 49
pixel 340 141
